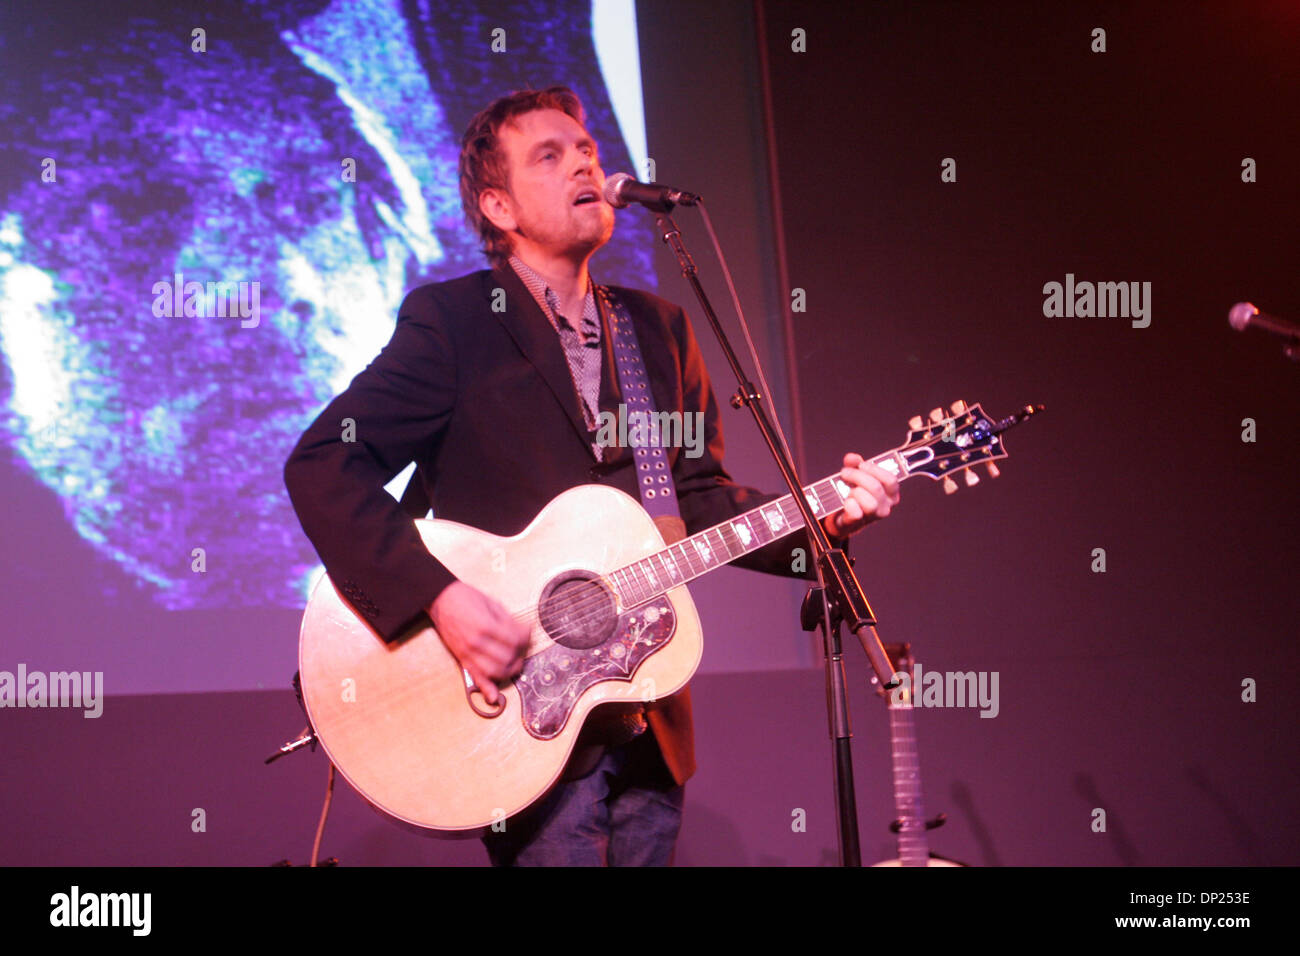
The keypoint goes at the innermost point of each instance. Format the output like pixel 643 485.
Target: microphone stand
pixel 842 597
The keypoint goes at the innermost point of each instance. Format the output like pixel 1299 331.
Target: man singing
pixel 494 384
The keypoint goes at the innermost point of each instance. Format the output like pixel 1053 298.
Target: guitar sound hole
pixel 577 610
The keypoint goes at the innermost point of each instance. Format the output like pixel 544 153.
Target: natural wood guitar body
pixel 611 622
pixel 396 719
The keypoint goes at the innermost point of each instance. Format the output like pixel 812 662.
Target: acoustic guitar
pixel 611 621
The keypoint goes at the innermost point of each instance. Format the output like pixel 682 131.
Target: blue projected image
pixel 208 219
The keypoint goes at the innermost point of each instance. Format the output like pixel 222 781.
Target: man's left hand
pixel 872 493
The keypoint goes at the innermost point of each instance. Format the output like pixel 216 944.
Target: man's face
pixel 552 167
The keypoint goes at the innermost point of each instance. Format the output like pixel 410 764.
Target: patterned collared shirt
pixel 581 346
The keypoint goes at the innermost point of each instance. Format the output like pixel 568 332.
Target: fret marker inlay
pixel 775 520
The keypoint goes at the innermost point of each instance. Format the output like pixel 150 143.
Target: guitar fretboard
pixel 913 844
pixel 691 557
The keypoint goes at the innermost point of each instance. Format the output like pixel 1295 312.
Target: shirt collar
pixel 549 302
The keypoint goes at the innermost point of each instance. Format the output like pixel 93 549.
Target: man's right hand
pixel 482 635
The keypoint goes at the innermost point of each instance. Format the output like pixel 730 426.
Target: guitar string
pixel 593 609
pixel 589 609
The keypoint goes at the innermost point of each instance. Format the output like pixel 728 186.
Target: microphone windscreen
pixel 1240 315
pixel 613 186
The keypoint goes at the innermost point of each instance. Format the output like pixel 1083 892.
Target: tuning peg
pixel 936 415
pixel 949 486
pixel 915 423
pixel 958 407
pixel 971 478
pixel 993 469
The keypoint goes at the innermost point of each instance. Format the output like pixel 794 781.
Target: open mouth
pixel 586 198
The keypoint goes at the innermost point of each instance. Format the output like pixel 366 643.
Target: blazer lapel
pixel 536 338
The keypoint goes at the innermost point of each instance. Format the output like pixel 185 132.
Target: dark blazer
pixel 474 388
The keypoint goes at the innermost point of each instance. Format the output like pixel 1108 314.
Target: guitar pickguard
pixel 554 679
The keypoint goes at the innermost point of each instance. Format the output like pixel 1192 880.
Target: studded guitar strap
pixel 654 476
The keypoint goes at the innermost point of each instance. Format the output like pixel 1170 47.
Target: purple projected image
pixel 293 167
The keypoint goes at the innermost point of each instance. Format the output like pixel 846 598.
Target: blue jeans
pixel 625 812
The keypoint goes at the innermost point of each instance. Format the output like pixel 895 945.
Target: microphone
pixel 621 190
pixel 1244 314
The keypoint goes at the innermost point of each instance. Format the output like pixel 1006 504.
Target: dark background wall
pixel 1119 691
pixel 1117 166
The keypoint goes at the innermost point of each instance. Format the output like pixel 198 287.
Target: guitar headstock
pixel 957 442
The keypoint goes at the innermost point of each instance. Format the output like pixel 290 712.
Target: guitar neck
pixel 938 450
pixel 913 844
pixel 714 547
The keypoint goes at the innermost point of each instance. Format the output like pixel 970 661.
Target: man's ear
pixel 497 208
